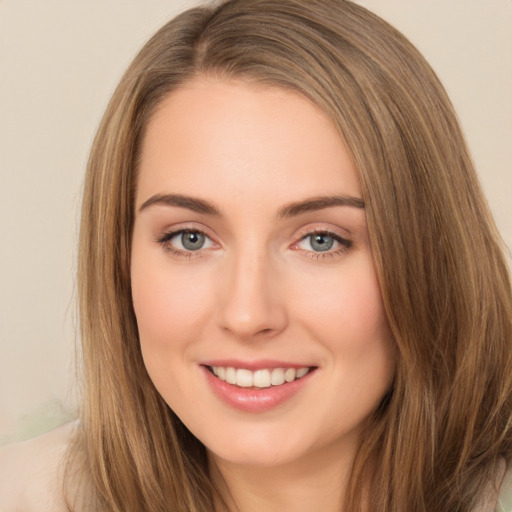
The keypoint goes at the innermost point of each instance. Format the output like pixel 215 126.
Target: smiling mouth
pixel 263 378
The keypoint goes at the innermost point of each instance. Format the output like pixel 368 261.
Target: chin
pixel 256 456
pixel 267 446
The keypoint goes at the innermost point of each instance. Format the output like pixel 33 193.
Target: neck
pixel 317 481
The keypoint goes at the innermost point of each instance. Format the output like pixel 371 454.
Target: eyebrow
pixel 191 203
pixel 319 203
pixel 290 210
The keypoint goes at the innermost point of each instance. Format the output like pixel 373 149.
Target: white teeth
pixel 277 377
pixel 244 378
pixel 260 378
pixel 290 374
pixel 301 372
pixel 230 375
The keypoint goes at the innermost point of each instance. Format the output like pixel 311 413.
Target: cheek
pixel 344 312
pixel 170 312
pixel 345 307
pixel 168 305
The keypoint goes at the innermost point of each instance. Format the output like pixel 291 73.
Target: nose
pixel 252 301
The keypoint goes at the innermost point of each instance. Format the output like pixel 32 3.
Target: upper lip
pixel 260 364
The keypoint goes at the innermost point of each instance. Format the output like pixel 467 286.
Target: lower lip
pixel 253 399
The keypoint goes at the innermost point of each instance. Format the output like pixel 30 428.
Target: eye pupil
pixel 192 240
pixel 321 242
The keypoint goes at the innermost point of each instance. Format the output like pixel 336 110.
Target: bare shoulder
pixel 31 472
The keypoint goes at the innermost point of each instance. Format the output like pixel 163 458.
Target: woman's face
pixel 259 312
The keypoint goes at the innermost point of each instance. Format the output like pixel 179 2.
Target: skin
pixel 258 289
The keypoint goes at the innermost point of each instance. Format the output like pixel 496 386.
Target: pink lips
pixel 253 399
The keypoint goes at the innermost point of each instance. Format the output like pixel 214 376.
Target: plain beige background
pixel 60 61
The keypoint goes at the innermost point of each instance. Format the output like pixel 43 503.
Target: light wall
pixel 60 62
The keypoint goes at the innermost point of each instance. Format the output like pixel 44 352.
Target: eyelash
pixel 344 244
pixel 165 239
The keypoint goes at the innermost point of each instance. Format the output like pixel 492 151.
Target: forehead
pixel 220 137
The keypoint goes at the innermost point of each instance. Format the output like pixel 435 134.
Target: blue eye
pixel 192 240
pixel 323 242
pixel 186 241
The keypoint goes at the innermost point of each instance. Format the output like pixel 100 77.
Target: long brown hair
pixel 437 438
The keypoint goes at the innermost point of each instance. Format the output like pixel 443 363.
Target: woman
pixel 292 293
